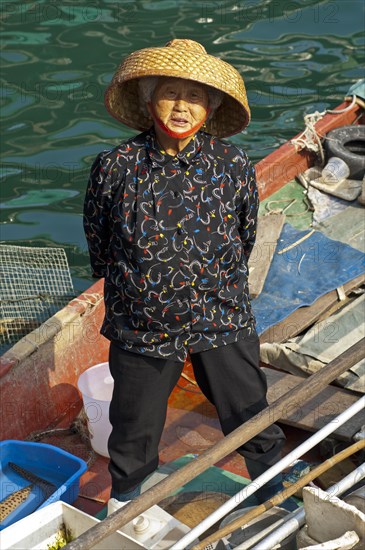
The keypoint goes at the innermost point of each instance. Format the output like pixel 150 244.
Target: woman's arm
pixel 249 204
pixel 96 214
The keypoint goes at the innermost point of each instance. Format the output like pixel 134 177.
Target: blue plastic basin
pixel 46 461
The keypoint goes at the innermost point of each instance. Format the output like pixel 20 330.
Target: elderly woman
pixel 170 219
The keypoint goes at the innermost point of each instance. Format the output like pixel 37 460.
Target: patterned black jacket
pixel 172 236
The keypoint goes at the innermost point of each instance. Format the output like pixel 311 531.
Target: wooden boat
pixel 39 373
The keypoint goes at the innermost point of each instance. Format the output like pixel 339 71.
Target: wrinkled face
pixel 180 104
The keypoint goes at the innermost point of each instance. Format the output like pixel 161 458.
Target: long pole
pixel 296 519
pixel 233 502
pixel 293 398
pixel 279 497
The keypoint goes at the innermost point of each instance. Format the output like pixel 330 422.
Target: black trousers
pixel 229 377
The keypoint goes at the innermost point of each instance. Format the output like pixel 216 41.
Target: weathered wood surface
pixel 268 232
pixel 318 411
pixel 304 317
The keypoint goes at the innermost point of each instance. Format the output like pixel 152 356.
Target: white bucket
pixel 96 386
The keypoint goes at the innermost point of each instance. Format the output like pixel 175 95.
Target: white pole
pixel 232 503
pixel 296 519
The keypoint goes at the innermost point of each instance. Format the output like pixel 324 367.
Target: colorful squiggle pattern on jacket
pixel 172 236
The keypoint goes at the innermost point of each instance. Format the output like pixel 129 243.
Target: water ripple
pixel 296 57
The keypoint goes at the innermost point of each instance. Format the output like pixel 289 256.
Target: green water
pixel 58 56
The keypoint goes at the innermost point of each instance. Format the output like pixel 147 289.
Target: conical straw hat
pixel 179 58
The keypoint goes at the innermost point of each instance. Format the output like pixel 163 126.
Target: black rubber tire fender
pixel 348 143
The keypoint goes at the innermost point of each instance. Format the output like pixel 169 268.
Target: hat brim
pixel 122 95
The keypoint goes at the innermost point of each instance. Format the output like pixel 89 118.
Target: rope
pixel 309 138
pixel 87 299
pixel 296 242
pixel 78 428
pixel 338 111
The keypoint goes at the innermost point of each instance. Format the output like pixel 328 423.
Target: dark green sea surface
pixel 58 57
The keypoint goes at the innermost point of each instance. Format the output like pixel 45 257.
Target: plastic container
pixel 335 171
pixel 41 529
pixel 96 386
pixel 155 528
pixel 46 461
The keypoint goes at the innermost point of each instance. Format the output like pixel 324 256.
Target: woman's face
pixel 180 104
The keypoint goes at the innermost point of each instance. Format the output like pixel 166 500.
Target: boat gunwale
pixel 52 327
pixel 286 162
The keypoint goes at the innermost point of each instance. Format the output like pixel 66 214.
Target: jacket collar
pixel 159 157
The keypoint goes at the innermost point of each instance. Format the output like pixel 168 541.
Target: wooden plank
pixel 318 410
pixel 268 232
pixel 304 317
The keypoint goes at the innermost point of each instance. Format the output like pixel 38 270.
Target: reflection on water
pixel 296 57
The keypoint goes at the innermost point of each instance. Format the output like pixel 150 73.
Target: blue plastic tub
pixel 46 461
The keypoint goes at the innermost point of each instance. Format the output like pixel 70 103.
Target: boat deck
pixel 191 427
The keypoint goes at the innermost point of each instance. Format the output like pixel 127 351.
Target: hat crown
pixel 186 44
pixel 179 58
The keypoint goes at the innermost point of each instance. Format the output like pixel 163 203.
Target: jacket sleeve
pixel 97 206
pixel 249 203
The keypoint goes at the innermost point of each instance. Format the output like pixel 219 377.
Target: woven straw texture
pixel 182 59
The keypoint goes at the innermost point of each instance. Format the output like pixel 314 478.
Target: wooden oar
pixel 280 497
pixel 293 399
